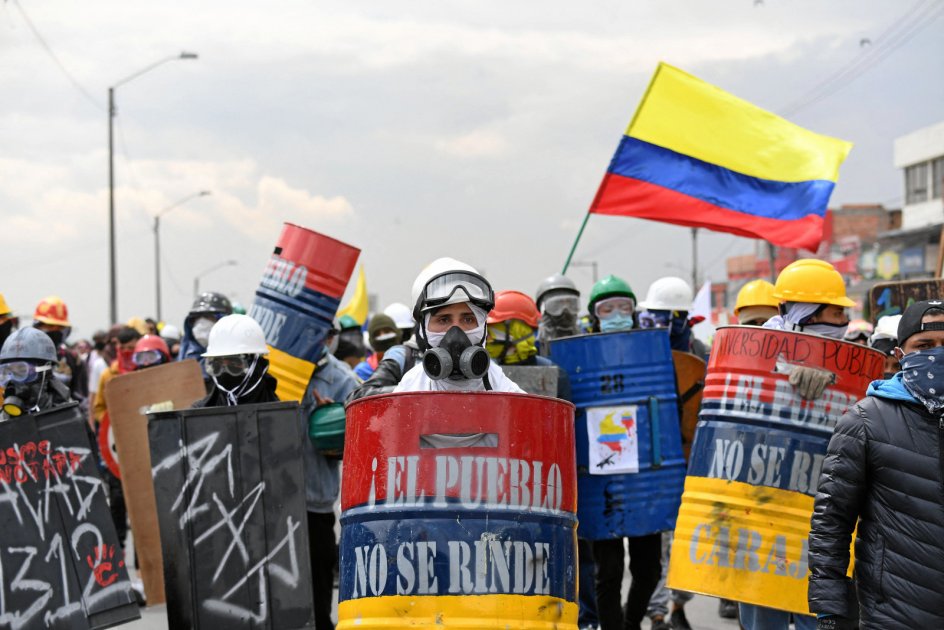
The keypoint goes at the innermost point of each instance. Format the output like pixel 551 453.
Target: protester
pixel 351 347
pixel 383 334
pixel 510 340
pixel 885 340
pixel 402 315
pixel 451 305
pixel 667 304
pixel 332 381
pixel 27 362
pixel 882 479
pixel 52 317
pixel 8 321
pixel 813 299
pixel 236 364
pixel 207 309
pixel 171 335
pixel 150 351
pixel 558 301
pixel 755 303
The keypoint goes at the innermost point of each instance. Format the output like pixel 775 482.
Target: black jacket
pixel 397 361
pixel 883 468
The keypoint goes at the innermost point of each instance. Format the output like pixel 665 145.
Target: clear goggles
pixel 21 372
pixel 614 306
pixel 557 305
pixel 146 358
pixel 234 365
pixel 457 286
pixel 655 319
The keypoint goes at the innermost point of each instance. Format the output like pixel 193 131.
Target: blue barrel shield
pixel 630 467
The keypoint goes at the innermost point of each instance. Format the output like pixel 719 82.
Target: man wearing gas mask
pixel 27 360
pixel 884 473
pixel 451 305
pixel 236 364
pixel 558 301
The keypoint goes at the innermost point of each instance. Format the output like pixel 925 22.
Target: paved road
pixel 702 614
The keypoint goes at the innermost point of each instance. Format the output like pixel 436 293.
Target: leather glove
pixel 810 382
pixel 834 622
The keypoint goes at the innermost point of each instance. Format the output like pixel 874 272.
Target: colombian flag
pixel 697 156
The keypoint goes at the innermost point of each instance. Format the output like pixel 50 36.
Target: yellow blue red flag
pixel 697 156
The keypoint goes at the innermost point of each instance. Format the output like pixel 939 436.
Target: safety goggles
pixel 21 372
pixel 146 358
pixel 614 305
pixel 449 288
pixel 655 319
pixel 557 305
pixel 234 365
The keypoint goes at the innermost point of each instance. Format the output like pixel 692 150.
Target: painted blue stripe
pixel 720 186
pixel 758 455
pixel 383 556
pixel 297 324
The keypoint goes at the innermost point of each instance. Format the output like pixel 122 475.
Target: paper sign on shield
pixel 612 435
pixel 127 397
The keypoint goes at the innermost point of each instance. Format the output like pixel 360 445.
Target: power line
pixel 42 42
pixel 918 17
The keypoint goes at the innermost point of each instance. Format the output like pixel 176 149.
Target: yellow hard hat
pixel 756 293
pixel 4 308
pixel 813 282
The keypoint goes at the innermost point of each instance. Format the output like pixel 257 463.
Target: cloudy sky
pixel 409 129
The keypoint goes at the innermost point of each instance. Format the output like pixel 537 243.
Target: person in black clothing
pixel 884 473
pixel 236 365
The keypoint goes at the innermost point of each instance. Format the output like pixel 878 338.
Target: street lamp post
pixel 196 279
pixel 157 244
pixel 112 274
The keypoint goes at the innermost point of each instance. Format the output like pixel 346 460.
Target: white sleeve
pixel 500 382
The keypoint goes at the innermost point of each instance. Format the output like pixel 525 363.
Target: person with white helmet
pixel 885 339
pixel 236 364
pixel 451 304
pixel 667 304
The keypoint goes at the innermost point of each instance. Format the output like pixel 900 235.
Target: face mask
pixel 922 374
pixel 56 336
pixel 511 342
pixel 126 361
pixel 616 322
pixel 201 330
pixel 478 333
pixel 833 331
pixel 455 356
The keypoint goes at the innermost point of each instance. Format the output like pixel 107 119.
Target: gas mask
pixel 455 357
pixel 24 389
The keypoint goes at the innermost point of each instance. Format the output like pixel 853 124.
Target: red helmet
pixel 52 310
pixel 152 342
pixel 514 305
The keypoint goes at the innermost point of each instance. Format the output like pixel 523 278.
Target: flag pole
pixel 576 240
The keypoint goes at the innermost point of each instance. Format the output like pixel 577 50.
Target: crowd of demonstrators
pixel 883 469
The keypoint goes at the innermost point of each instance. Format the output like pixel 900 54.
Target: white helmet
pixel 887 328
pixel 400 314
pixel 668 294
pixel 454 275
pixel 236 334
pixel 169 331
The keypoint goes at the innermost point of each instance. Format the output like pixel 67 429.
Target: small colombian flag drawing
pixel 697 156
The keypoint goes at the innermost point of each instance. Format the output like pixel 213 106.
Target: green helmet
pixel 348 321
pixel 610 286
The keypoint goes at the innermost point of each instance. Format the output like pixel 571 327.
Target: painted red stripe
pixel 628 197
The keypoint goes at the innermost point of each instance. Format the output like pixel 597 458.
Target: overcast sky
pixel 412 130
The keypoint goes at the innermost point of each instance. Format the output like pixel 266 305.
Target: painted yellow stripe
pixel 742 542
pixel 292 373
pixel 683 113
pixel 465 612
